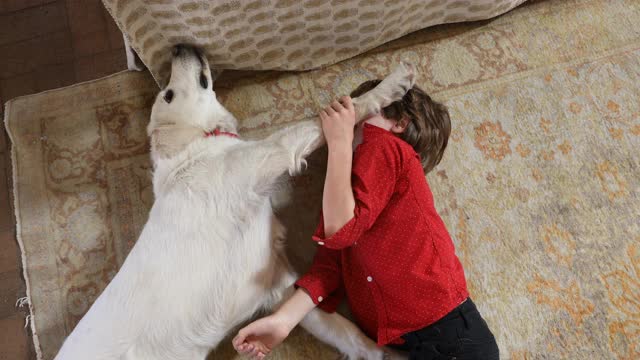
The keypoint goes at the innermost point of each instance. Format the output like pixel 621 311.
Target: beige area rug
pixel 539 186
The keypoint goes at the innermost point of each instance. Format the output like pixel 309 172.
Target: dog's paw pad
pixel 408 72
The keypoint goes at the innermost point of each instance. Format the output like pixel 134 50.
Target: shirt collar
pixel 371 131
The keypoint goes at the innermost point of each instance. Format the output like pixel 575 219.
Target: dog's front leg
pixel 297 142
pixel 391 89
pixel 339 332
pixel 304 137
pixel 283 151
pixel 287 149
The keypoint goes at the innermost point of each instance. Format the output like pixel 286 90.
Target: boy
pixel 381 241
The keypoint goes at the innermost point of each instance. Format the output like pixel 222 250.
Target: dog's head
pixel 187 106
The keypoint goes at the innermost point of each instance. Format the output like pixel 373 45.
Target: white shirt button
pixel 320 242
pixel 369 279
pixel 320 298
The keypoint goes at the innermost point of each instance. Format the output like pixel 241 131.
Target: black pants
pixel 462 334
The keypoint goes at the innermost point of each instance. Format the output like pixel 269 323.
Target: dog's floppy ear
pixel 169 140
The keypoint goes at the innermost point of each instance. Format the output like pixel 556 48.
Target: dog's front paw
pixel 300 142
pixel 406 73
pixel 401 79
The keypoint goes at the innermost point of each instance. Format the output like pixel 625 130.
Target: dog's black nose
pixel 177 50
pixel 183 49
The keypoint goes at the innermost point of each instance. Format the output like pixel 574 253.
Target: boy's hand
pixel 338 121
pixel 257 339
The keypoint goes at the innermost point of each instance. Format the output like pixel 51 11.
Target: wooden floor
pixel 44 44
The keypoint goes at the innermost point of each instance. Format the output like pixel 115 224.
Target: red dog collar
pixel 217 132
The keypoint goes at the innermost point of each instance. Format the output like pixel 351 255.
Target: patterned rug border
pixel 30 320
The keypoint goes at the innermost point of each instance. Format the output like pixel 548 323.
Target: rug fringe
pixel 26 320
pixel 23 301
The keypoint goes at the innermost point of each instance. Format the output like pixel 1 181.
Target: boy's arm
pixel 323 281
pixel 338 121
pixel 337 199
pixel 295 309
pixel 358 188
pixel 261 336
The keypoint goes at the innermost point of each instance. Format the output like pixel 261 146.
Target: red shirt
pixel 394 259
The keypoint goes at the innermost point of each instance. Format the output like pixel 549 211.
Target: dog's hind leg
pixel 339 332
pixel 332 328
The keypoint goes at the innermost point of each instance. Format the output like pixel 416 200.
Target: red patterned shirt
pixel 394 259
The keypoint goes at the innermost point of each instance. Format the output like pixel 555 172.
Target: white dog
pixel 211 253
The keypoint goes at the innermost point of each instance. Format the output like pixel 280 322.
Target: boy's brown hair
pixel 429 125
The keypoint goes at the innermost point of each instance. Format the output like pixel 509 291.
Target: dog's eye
pixel 203 81
pixel 168 96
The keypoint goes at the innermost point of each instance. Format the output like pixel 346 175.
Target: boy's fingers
pixel 346 101
pixel 336 106
pixel 255 352
pixel 329 110
pixel 241 337
pixel 237 341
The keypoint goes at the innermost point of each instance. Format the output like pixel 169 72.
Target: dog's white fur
pixel 211 253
